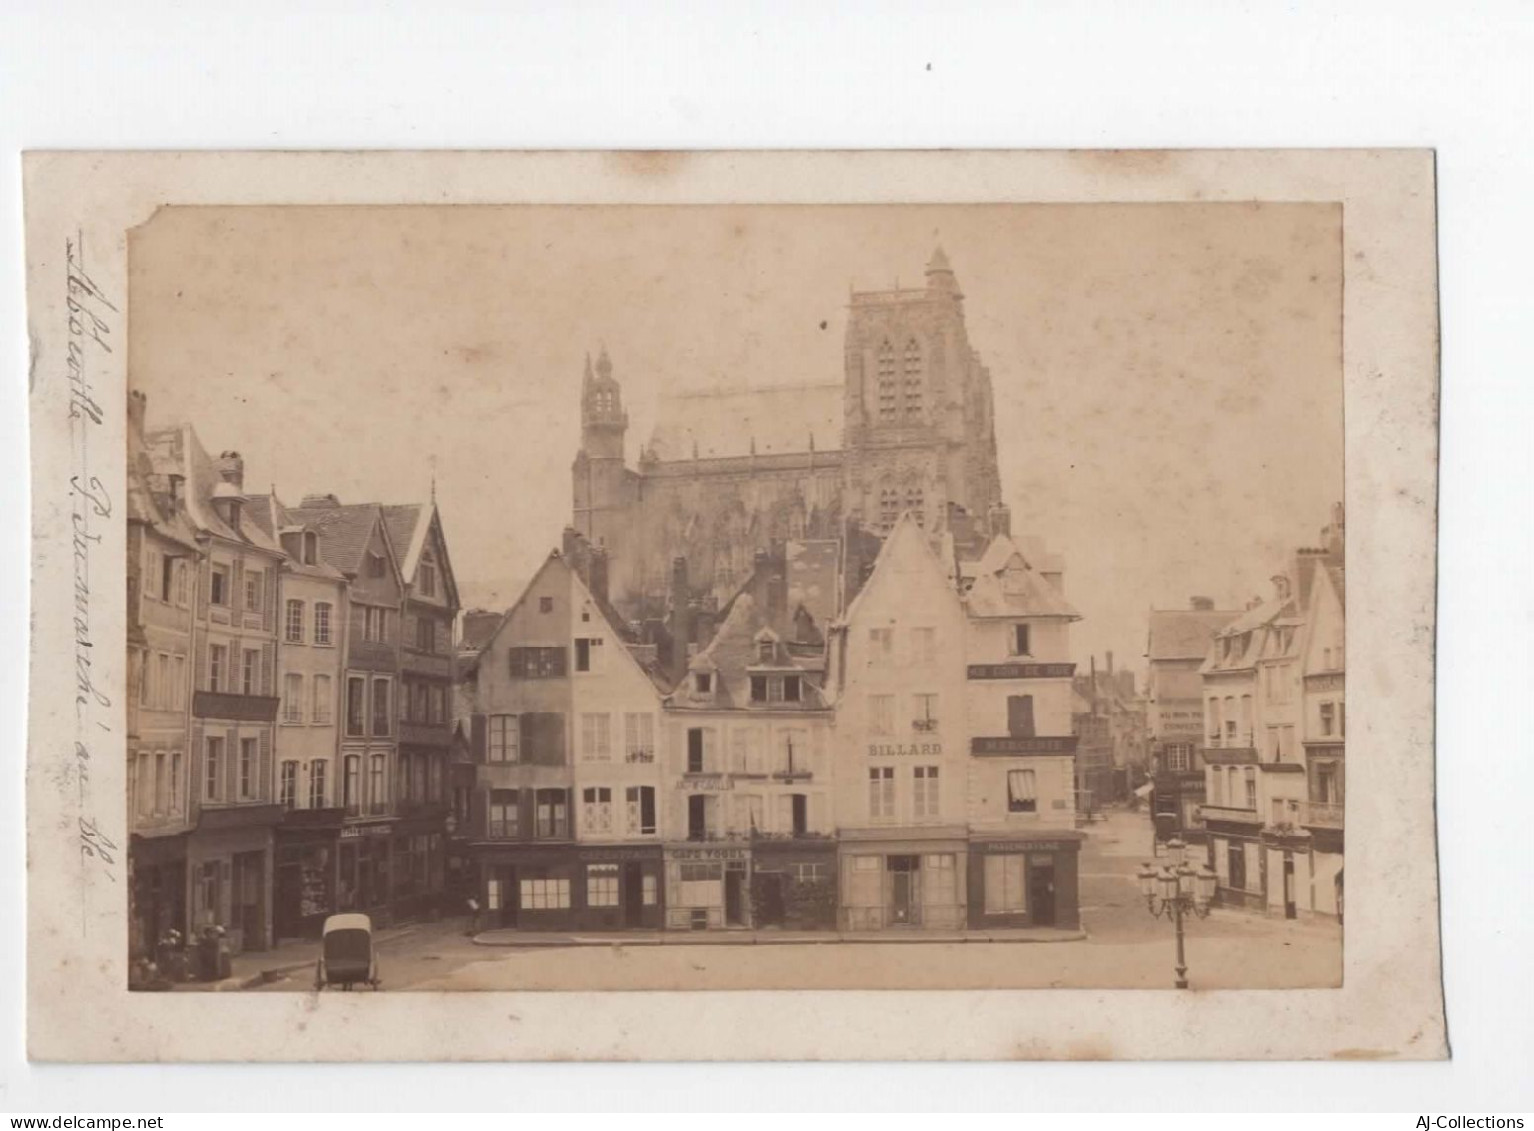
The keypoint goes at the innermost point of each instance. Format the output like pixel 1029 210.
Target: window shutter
pixel 478 738
pixel 231 767
pixel 204 581
pixel 561 661
pixel 268 669
pixel 479 802
pixel 264 781
pixel 236 595
pixel 200 662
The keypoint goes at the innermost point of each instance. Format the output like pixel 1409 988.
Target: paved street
pixel 1125 948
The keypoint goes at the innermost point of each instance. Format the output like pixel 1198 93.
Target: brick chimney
pixel 596 572
pixel 231 468
pixel 1001 519
pixel 1201 604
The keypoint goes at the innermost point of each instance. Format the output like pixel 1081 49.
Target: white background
pixel 1080 75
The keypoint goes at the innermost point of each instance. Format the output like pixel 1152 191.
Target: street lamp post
pixel 1175 890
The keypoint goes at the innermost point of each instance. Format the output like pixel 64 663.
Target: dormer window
pixel 1022 645
pixel 791 689
pixel 311 547
pixel 703 683
pixel 758 689
pixel 375 565
pixel 764 652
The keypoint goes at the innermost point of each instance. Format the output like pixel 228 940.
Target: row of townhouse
pixel 289 722
pixel 908 763
pixel 1264 791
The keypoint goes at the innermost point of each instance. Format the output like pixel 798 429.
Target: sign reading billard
pixel 1021 671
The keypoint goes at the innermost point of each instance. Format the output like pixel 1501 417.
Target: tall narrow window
pixel 916 503
pixel 503 814
pixel 351 785
pixel 926 795
pixel 293 622
pixel 504 739
pixel 356 695
pixel 218 585
pixel 218 666
pixel 248 768
pixel 292 698
pixel 1022 643
pixel 213 766
pixel 322 700
pixel 253 590
pixel 428 575
pixel 1022 791
pixel 911 382
pixel 380 706
pixel 552 814
pixel 317 784
pixel 322 610
pixel 597 809
pixel 250 673
pixel 596 737
pixel 175 782
pixel 889 508
pixel 288 791
pixel 1020 716
pixel 378 797
pixel 881 793
pixel 881 715
pixel 639 803
pixel 889 403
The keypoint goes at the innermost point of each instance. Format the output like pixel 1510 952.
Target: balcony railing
pixel 1323 814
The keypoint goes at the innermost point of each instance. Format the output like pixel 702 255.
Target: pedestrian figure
pixel 473 916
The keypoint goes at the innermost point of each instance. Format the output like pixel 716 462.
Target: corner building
pixel 566 813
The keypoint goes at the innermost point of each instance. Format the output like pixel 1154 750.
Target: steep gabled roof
pixel 907 540
pixel 345 531
pixel 1005 585
pixel 410 526
pixel 1185 634
pixel 732 653
pixel 178 450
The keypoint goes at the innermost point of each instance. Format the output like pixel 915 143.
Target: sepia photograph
pixel 733 597
pixel 559 610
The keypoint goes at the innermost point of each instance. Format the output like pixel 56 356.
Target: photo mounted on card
pixel 474 588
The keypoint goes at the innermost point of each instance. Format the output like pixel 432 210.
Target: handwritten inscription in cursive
pixel 90 322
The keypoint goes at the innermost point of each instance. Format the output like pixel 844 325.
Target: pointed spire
pixel 939 261
pixel 586 381
pixel 604 363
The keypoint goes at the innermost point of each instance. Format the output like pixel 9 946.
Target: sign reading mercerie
pixel 1018 744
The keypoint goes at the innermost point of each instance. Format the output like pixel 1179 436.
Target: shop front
pixel 229 861
pixel 308 871
pixel 419 867
pixel 1024 880
pixel 157 891
pixel 365 880
pixel 707 886
pixel 895 878
pixel 793 883
pixel 567 887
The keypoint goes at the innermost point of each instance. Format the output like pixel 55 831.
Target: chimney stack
pixel 1001 519
pixel 596 579
pixel 231 468
pixel 1201 604
pixel 1110 663
pixel 138 405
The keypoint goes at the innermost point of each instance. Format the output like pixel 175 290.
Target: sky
pixel 1168 377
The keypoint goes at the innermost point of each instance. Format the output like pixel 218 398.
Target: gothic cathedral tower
pixel 600 481
pixel 920 434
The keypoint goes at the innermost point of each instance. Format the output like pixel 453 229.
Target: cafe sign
pixel 708 854
pixel 1021 671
